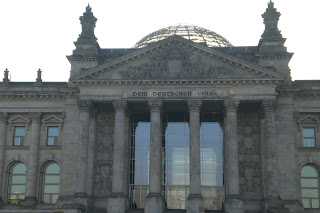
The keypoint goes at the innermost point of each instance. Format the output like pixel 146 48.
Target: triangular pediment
pixel 52 119
pixel 176 58
pixel 308 119
pixel 18 119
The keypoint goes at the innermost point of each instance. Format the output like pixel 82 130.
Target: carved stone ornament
pixel 103 153
pixel 269 105
pixel 231 104
pixel 177 63
pixel 249 155
pixel 3 116
pixel 85 105
pixel 194 105
pixel 155 105
pixel 35 116
pixel 120 105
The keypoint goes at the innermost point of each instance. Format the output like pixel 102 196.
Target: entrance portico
pixel 189 80
pixel 155 199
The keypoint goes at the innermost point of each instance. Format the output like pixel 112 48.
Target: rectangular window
pixel 309 137
pixel 53 135
pixel 19 133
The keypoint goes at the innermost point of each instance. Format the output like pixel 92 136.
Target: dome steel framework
pixel 191 32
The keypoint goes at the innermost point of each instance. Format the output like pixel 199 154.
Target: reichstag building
pixel 182 122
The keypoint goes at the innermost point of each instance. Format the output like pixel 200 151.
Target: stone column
pixel 233 203
pixel 32 170
pixel 118 203
pixel 3 134
pixel 195 200
pixel 269 159
pixel 154 201
pixel 85 108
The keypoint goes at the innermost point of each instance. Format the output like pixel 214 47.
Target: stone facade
pixel 265 116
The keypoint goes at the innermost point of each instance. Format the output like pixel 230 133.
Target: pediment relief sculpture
pixel 178 62
pixel 178 65
pixel 177 59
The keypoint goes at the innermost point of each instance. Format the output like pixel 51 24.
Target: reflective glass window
pixel 53 135
pixel 211 147
pixel 310 187
pixel 51 183
pixel 176 164
pixel 17 183
pixel 309 137
pixel 19 133
pixel 139 159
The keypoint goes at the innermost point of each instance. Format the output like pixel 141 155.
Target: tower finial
pixel 270 19
pixel 87 36
pixel 39 79
pixel 6 76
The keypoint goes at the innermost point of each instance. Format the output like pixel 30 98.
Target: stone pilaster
pixel 195 200
pixel 85 108
pixel 32 171
pixel 154 201
pixel 233 203
pixel 3 128
pixel 81 198
pixel 272 202
pixel 118 203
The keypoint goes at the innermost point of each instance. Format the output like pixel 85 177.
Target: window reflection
pixel 310 187
pixel 139 160
pixel 211 141
pixel 175 158
pixel 176 166
pixel 51 183
pixel 17 183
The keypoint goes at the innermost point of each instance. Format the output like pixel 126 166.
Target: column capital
pixel 269 105
pixel 155 105
pixel 120 105
pixel 194 105
pixel 4 116
pixel 231 104
pixel 35 116
pixel 85 105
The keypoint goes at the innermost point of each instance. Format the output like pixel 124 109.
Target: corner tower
pixel 272 52
pixel 85 56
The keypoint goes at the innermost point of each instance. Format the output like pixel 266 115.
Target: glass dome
pixel 191 32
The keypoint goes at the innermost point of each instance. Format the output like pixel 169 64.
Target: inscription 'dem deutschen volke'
pixel 168 94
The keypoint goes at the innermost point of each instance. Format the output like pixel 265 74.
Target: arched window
pixel 17 183
pixel 310 187
pixel 51 183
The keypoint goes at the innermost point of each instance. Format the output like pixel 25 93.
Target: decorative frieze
pixel 269 105
pixel 120 105
pixel 194 105
pixel 35 116
pixel 231 104
pixel 155 105
pixel 85 105
pixel 4 116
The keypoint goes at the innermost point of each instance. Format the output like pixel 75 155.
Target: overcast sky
pixel 40 33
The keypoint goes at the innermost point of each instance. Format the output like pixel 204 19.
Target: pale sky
pixel 40 33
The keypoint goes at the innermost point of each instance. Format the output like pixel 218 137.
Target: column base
pixel 274 205
pixel 233 204
pixel 195 204
pixel 71 204
pixel 29 202
pixel 154 203
pixel 117 203
pixel 294 206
